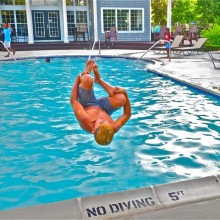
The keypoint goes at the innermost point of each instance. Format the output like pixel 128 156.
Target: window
pixel 77 2
pixel 8 16
pixel 44 2
pixel 75 17
pixel 21 17
pixel 39 24
pixel 17 19
pixel 6 2
pixel 125 20
pixel 70 21
pixel 21 23
pixel 81 16
pixel 11 2
pixel 136 20
pixel 53 19
pixel 19 2
pixel 109 19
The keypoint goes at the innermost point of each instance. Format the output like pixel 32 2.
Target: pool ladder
pixel 7 50
pixel 159 41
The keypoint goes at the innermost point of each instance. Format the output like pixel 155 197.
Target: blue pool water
pixel 173 133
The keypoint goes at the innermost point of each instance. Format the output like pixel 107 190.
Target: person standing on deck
pixel 167 37
pixel 7 39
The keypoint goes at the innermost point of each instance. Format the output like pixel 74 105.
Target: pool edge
pixel 129 204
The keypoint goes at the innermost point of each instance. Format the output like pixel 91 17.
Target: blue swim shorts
pixel 168 45
pixel 87 98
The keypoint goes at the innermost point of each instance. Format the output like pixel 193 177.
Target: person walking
pixel 7 39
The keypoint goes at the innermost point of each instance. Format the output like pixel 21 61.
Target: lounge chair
pixel 176 43
pixel 215 57
pixel 197 47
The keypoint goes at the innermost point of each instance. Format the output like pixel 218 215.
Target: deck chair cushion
pixel 176 43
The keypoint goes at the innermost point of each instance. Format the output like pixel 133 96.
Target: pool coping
pixel 128 204
pixel 155 69
pixel 212 92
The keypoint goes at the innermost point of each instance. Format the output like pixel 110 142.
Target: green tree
pixel 207 11
pixel 183 11
pixel 186 11
pixel 159 11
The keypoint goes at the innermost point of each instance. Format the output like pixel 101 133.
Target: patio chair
pixel 111 34
pixel 176 43
pixel 193 34
pixel 74 33
pixel 82 31
pixel 197 47
pixel 178 31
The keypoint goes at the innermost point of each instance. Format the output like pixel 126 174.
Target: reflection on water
pixel 173 133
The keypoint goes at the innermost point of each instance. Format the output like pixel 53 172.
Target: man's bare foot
pixel 96 73
pixel 89 66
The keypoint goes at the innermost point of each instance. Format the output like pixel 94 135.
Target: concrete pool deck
pixel 192 199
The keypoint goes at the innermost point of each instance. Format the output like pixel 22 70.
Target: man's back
pixel 7 34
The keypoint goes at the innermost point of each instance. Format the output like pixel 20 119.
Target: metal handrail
pixel 7 49
pixel 99 48
pixel 159 41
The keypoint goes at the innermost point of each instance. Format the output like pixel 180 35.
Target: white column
pixel 169 9
pixel 29 22
pixel 65 27
pixel 150 21
pixel 95 20
pixel 0 17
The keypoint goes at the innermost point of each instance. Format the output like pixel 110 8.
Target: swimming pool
pixel 173 133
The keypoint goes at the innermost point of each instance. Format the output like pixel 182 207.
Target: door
pixel 46 25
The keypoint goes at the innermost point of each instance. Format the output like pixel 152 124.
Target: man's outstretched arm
pixel 127 111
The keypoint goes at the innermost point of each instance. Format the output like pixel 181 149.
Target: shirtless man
pixel 94 114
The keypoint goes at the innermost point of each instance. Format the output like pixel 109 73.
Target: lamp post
pixel 169 12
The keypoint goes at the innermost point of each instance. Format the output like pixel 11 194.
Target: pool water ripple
pixel 173 133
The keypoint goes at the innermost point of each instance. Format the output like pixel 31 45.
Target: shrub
pixel 213 35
